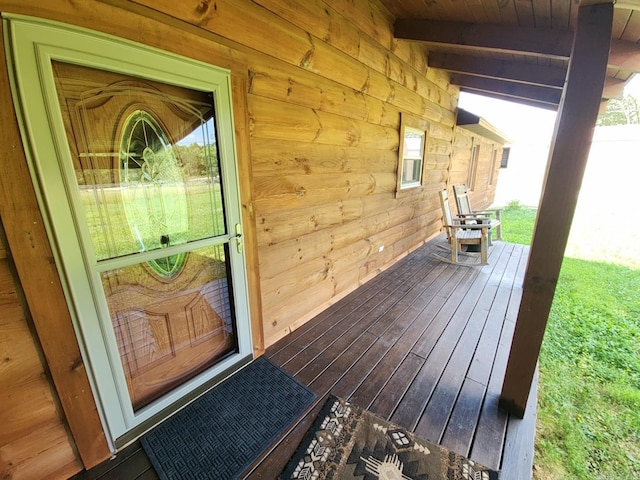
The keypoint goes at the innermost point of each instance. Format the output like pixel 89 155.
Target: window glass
pixel 412 157
pixel 473 167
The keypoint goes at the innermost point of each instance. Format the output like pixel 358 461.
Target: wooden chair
pixel 459 234
pixel 465 211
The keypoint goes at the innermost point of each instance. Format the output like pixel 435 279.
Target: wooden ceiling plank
pixel 627 5
pixel 568 156
pixel 620 19
pixel 441 9
pixel 560 14
pixel 631 30
pixel 492 11
pixel 542 13
pixel 500 69
pixel 525 14
pixel 509 89
pixel 625 55
pixel 478 12
pixel 507 10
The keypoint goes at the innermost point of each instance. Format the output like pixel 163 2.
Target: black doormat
pixel 347 442
pixel 220 434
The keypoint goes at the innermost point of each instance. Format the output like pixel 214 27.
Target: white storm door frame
pixel 33 44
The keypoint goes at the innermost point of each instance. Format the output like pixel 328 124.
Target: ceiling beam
pixel 546 95
pixel 544 42
pixel 501 69
pixel 488 37
pixel 524 73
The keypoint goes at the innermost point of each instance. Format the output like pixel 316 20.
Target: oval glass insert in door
pixel 148 176
pixel 153 189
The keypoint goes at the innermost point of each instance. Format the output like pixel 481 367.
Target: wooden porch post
pixel 567 160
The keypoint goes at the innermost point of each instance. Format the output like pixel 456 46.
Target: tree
pixel 197 159
pixel 621 112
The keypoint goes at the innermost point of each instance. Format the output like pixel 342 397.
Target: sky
pixel 521 123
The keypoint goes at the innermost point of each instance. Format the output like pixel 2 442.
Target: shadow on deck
pixel 425 345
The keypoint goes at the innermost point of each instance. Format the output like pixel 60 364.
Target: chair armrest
pixel 468 218
pixel 477 226
pixel 491 211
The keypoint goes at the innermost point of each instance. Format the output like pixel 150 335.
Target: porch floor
pixel 425 345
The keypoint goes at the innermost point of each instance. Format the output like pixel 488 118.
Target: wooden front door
pixel 139 181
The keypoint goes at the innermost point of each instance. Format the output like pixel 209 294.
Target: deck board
pixel 424 344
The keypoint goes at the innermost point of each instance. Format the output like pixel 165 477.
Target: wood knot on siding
pixel 307 57
pixel 320 127
pixel 203 7
pixel 372 185
pixel 303 162
pixel 77 364
pixel 366 84
pixel 252 75
pixel 392 94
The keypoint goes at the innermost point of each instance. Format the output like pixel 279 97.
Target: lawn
pixel 589 391
pixel 135 217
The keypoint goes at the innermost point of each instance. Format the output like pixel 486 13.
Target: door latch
pixel 238 237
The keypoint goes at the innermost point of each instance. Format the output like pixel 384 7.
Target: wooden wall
pixel 327 85
pixel 33 436
pixel 483 194
pixel 322 86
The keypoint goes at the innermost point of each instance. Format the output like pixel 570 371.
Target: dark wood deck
pixel 424 344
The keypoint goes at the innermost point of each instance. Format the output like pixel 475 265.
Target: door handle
pixel 238 237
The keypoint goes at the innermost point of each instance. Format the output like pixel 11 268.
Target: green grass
pixel 518 222
pixel 122 221
pixel 589 391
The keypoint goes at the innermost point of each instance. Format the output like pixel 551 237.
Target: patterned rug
pixel 346 441
pixel 221 433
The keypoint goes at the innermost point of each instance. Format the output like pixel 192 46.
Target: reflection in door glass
pixel 170 332
pixel 146 162
pixel 147 174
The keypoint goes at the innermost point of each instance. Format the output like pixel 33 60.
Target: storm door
pixel 138 176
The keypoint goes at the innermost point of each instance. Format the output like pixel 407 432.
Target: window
pixel 413 139
pixel 492 166
pixel 473 167
pixel 505 157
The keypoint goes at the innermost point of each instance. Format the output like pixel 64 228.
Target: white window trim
pixel 417 125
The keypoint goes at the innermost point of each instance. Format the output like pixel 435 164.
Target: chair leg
pixel 455 245
pixel 484 257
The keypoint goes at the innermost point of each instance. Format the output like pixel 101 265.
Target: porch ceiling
pixel 511 49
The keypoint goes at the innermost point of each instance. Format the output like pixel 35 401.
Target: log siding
pixel 33 437
pixel 318 90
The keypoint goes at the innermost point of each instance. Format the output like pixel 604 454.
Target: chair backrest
pixel 447 219
pixel 462 199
